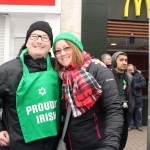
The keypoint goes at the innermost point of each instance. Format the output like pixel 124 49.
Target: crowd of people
pixel 37 89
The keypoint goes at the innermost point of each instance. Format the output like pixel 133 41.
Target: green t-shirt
pixel 122 88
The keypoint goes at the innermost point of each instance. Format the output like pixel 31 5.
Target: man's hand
pixel 4 138
pixel 97 61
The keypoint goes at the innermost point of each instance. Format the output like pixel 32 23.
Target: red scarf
pixel 79 87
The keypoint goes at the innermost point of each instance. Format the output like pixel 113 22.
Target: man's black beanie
pixel 39 25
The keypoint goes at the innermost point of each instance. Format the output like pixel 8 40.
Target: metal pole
pixel 148 126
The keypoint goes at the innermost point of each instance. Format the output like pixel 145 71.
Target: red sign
pixel 28 2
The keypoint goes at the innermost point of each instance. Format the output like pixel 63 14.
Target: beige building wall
pixel 71 17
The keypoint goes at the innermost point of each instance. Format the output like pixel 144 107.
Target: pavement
pixel 137 140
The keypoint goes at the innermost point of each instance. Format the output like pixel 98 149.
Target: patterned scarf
pixel 79 87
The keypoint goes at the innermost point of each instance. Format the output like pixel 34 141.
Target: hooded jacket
pixel 130 91
pixel 140 83
pixel 10 76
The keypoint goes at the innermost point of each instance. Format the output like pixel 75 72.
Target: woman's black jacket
pixel 100 127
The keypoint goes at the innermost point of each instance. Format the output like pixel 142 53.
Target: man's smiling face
pixel 38 48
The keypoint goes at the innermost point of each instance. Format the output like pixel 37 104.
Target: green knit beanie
pixel 70 37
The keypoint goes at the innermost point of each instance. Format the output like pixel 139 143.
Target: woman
pixel 91 91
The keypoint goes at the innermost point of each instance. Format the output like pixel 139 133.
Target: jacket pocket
pixel 96 126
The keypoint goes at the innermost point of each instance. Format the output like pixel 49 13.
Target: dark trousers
pixel 124 134
pixel 137 118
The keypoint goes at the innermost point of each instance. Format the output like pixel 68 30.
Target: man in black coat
pixel 106 59
pixel 140 83
pixel 125 84
pixel 39 40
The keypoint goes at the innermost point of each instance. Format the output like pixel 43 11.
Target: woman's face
pixel 63 53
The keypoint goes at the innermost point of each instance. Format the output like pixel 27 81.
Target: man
pixel 125 84
pixel 139 84
pixel 30 102
pixel 106 59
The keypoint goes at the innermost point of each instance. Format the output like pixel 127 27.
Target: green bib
pixel 38 102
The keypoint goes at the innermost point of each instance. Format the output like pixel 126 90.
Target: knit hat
pixel 39 25
pixel 114 57
pixel 70 37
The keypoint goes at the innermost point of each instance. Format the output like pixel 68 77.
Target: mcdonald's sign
pixel 137 4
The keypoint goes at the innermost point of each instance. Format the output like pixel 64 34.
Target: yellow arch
pixel 137 4
pixel 126 8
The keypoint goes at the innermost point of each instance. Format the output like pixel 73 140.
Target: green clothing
pixel 38 102
pixel 122 88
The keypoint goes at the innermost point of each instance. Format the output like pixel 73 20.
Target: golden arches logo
pixel 137 4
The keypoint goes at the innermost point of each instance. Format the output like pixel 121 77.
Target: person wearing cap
pixel 140 83
pixel 126 89
pixel 90 89
pixel 30 91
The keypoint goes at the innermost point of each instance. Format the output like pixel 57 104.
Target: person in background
pixel 126 89
pixel 30 92
pixel 106 59
pixel 91 91
pixel 140 83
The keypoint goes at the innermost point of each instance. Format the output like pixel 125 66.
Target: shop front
pixel 15 19
pixel 110 26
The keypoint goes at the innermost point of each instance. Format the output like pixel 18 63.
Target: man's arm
pixel 140 82
pixel 97 61
pixel 2 89
pixel 4 137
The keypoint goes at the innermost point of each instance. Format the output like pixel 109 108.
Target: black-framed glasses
pixel 59 51
pixel 44 38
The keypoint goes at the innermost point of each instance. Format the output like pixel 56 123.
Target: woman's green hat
pixel 70 37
